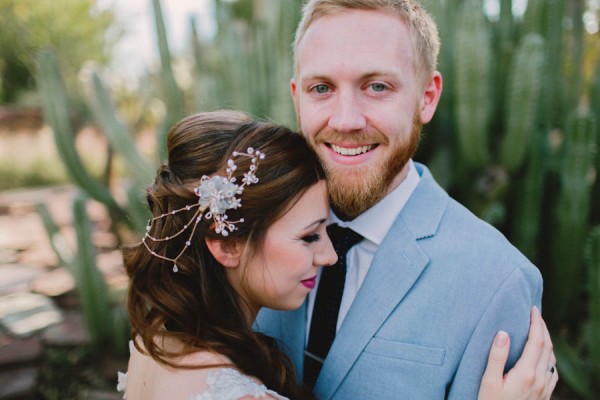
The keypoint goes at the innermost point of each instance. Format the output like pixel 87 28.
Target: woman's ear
pixel 227 252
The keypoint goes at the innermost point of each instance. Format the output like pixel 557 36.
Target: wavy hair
pixel 197 306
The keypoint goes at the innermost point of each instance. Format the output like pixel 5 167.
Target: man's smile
pixel 350 151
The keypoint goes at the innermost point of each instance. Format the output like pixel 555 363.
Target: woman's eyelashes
pixel 315 237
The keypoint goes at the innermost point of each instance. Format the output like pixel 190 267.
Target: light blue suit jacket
pixel 441 285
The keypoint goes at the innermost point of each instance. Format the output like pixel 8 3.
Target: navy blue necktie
pixel 327 304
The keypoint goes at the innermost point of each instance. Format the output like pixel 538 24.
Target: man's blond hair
pixel 425 39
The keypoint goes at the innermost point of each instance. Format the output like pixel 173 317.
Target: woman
pixel 239 213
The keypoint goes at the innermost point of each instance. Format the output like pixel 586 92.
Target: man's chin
pixel 352 193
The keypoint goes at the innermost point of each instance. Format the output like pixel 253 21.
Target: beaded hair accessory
pixel 216 195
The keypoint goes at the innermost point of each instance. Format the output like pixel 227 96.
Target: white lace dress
pixel 223 384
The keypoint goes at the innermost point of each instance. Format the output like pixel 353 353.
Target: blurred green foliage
pixel 75 29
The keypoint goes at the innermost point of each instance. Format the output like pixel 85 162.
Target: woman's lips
pixel 310 282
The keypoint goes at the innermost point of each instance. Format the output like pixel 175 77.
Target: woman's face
pixel 285 270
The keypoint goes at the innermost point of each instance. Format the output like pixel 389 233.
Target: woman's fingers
pixel 533 377
pixel 493 377
pixel 534 348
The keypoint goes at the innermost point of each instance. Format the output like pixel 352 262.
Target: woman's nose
pixel 327 255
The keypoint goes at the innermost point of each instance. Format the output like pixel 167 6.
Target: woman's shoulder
pixel 148 379
pixel 216 378
pixel 199 358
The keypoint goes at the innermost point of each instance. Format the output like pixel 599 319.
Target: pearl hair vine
pixel 216 195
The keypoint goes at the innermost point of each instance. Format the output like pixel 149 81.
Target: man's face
pixel 359 103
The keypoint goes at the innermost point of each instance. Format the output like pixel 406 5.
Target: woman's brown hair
pixel 196 305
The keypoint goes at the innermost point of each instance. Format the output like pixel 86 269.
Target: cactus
pixel 56 111
pixel 473 76
pixel 105 325
pixel 595 108
pixel 172 94
pixel 117 134
pixel 522 101
pixel 527 212
pixel 572 369
pixel 592 254
pixel 89 281
pixel 553 78
pixel 57 240
pixel 533 20
pixel 572 213
pixel 574 62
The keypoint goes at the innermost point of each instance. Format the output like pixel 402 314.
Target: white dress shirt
pixel 373 225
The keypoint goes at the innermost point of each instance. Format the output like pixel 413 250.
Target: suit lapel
pixel 398 263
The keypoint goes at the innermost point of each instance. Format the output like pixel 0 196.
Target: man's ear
pixel 227 252
pixel 430 98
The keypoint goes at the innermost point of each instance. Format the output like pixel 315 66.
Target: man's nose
pixel 347 115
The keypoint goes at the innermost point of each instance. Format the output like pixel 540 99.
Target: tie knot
pixel 342 238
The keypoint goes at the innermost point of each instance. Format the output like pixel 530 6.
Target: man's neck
pixel 398 179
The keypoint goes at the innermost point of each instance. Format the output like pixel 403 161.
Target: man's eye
pixel 378 87
pixel 321 89
pixel 315 237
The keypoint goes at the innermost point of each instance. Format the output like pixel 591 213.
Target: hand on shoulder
pixel 533 377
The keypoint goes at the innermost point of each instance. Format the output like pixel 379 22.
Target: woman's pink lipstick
pixel 310 282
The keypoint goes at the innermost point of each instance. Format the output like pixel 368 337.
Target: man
pixel 428 284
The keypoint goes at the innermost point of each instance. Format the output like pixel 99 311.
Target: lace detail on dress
pixel 223 384
pixel 230 384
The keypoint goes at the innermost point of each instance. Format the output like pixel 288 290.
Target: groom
pixel 429 284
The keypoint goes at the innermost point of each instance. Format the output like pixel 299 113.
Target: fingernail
pixel 501 339
pixel 536 310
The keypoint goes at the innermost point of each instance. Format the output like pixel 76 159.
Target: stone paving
pixel 38 306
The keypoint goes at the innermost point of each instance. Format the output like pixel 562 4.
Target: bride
pixel 239 223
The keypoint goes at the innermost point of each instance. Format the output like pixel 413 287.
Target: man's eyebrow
pixel 367 75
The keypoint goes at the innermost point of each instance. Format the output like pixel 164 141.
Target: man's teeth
pixel 351 152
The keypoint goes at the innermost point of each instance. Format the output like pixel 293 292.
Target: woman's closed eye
pixel 315 237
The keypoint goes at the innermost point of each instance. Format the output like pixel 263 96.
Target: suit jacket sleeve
pixel 508 310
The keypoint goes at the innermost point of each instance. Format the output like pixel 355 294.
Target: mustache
pixel 359 138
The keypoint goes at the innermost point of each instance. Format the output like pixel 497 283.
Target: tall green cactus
pixel 534 18
pixel 523 97
pixel 592 254
pixel 473 63
pixel 117 133
pixel 527 213
pixel 106 325
pixel 595 108
pixel 56 108
pixel 572 213
pixel 172 94
pixel 89 280
pixel 553 109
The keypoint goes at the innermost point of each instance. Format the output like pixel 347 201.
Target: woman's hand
pixel 533 377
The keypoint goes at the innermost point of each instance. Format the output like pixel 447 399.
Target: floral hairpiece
pixel 216 195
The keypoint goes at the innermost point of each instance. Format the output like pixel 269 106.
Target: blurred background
pixel 88 89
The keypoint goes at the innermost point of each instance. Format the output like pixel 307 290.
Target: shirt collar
pixel 374 223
